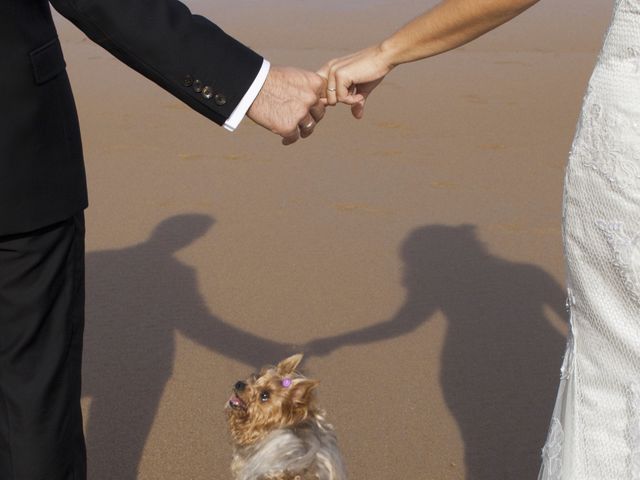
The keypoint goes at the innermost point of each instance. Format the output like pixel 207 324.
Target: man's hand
pixel 289 103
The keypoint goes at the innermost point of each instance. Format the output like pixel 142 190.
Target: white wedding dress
pixel 595 427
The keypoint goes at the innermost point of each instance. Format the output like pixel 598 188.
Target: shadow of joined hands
pixel 500 356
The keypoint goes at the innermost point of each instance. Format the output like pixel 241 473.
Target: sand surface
pixel 421 243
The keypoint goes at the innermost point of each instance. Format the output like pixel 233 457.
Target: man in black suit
pixel 43 191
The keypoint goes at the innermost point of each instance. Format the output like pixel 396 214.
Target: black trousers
pixel 41 327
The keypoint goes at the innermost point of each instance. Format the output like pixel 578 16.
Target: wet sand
pixel 419 248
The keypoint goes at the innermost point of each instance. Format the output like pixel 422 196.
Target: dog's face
pixel 276 397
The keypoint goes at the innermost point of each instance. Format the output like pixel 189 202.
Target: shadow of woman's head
pixel 440 250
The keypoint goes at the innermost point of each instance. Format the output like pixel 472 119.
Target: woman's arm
pixel 448 25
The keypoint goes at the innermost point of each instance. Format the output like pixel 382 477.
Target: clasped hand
pixel 292 101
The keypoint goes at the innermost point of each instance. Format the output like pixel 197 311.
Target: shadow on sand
pixel 500 358
pixel 137 299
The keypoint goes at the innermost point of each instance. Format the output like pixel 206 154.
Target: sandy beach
pixel 425 239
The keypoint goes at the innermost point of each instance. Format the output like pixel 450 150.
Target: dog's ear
pixel 301 391
pixel 289 365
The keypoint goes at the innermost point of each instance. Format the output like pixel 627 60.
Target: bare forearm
pixel 452 23
pixel 448 25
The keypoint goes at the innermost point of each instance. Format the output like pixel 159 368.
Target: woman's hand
pixel 448 25
pixel 352 78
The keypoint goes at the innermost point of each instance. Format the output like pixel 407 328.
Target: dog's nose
pixel 240 386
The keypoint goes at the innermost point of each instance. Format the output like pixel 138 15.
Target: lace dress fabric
pixel 595 428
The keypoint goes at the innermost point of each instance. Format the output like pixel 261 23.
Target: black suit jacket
pixel 42 178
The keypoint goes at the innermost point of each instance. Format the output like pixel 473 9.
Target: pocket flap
pixel 47 61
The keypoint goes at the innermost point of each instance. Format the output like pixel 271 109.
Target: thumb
pixel 324 71
pixel 321 86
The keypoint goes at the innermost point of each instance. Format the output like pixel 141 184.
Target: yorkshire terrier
pixel 278 431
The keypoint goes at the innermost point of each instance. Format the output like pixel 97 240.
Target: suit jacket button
pixel 197 86
pixel 188 81
pixel 220 99
pixel 207 92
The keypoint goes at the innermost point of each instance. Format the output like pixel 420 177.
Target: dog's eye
pixel 264 396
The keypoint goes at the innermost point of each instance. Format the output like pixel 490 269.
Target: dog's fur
pixel 278 431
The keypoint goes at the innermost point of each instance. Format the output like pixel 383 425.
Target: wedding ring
pixel 331 89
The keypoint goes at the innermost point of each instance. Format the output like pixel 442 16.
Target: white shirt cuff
pixel 241 109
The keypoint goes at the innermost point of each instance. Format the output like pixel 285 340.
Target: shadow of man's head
pixel 179 231
pixel 138 298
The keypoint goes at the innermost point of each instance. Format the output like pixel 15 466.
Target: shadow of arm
pixel 408 319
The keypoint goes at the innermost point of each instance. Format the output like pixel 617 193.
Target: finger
pixel 343 86
pixel 324 71
pixel 357 109
pixel 291 137
pixel 353 99
pixel 306 126
pixel 321 84
pixel 321 89
pixel 306 133
pixel 318 111
pixel 332 98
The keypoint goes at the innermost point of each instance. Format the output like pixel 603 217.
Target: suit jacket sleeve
pixel 185 54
